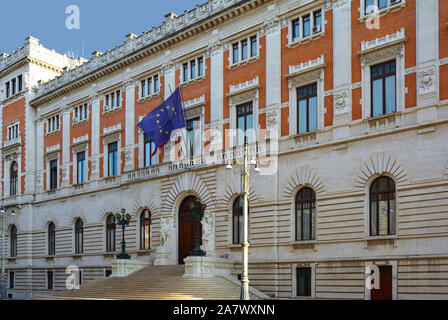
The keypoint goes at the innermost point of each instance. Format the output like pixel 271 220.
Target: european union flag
pixel 159 123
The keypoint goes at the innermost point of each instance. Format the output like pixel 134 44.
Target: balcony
pixel 13 142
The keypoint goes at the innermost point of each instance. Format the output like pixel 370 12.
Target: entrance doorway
pixel 187 229
pixel 385 290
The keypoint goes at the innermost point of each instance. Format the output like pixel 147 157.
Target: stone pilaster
pixel 427 28
pixel 96 137
pixel 342 69
pixel 128 87
pixel 65 147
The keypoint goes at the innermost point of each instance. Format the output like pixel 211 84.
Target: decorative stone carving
pixel 426 80
pixel 165 250
pixel 165 229
pixel 93 164
pixel 271 119
pixel 214 48
pixel 341 101
pixel 208 234
pixel 330 4
pixel 243 97
pixel 373 57
pixel 271 25
pixel 305 78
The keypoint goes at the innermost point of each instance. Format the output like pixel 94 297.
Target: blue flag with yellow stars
pixel 159 123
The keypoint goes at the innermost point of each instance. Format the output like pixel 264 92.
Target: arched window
pixel 145 230
pixel 237 217
pixel 13 242
pixel 79 236
pixel 51 239
pixel 13 179
pixel 110 233
pixel 382 207
pixel 306 214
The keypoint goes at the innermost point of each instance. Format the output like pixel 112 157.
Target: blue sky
pixel 103 23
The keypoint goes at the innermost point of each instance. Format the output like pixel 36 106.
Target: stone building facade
pixel 352 99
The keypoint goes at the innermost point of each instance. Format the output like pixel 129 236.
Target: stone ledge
pixel 124 268
pixel 207 267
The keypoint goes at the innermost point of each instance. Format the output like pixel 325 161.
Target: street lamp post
pixel 245 244
pixel 3 276
pixel 197 210
pixel 123 220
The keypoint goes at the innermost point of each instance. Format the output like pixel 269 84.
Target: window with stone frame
pixel 383 88
pixel 382 207
pixel 150 86
pixel 192 69
pixel 112 100
pixel 244 49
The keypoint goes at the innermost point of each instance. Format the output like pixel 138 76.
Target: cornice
pixel 158 39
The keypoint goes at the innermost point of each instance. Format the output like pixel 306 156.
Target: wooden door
pixel 385 290
pixel 187 229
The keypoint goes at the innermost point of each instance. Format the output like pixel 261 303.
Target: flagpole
pixel 183 110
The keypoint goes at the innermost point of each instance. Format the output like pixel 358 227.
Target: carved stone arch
pixel 304 176
pixel 77 212
pixel 185 183
pixel 234 189
pixel 109 206
pixel 13 220
pixel 47 218
pixel 143 200
pixel 381 164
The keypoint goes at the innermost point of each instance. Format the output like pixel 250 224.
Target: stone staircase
pixel 157 283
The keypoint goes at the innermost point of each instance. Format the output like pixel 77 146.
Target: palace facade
pixel 351 96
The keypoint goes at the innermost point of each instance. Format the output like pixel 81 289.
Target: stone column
pixel 427 59
pixel 342 79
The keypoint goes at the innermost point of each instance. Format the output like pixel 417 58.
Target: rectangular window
pixel 11 279
pixel 107 273
pixel 307 108
pixel 13 132
pixel 304 282
pixel 13 87
pixel 295 29
pixel 148 150
pixel 20 83
pixel 53 124
pixel 185 69
pixel 7 89
pixel 194 136
pixel 112 152
pixel 383 89
pixel 112 100
pixel 81 164
pixel 244 49
pixel 236 53
pixel 253 46
pixel 382 4
pixel 306 26
pixel 53 174
pixel 193 69
pixel 80 113
pixel 200 66
pixel 50 280
pixel 245 123
pixel 143 92
pixel 156 84
pixel 317 21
